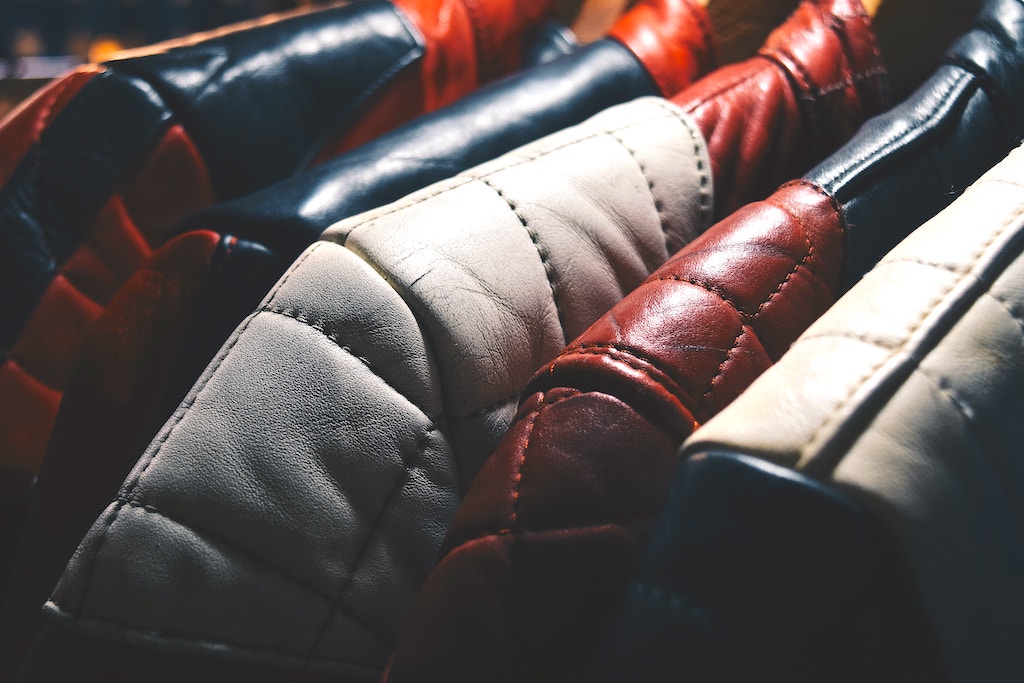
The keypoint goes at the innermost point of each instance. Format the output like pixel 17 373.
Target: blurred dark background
pixel 93 28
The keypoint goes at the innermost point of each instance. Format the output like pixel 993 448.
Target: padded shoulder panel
pixel 290 95
pixel 302 489
pixel 477 128
pixel 920 156
pixel 907 394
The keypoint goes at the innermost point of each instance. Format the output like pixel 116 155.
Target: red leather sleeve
pixel 545 540
pixel 671 38
pixel 816 80
pixel 467 43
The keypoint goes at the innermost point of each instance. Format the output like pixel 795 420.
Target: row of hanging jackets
pixel 321 362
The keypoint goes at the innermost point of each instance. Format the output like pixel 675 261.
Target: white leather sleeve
pixel 909 394
pixel 291 507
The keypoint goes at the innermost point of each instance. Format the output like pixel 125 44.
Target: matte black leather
pixel 918 158
pixel 288 216
pixel 756 572
pixel 289 95
pixel 62 184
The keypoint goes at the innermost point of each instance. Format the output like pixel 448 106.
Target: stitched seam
pixel 952 268
pixel 807 92
pixel 677 112
pixel 400 481
pixel 716 380
pixel 852 336
pixel 640 363
pixel 714 289
pixel 332 335
pixel 754 73
pixel 927 310
pixel 542 252
pixel 545 403
pixel 650 184
pixel 464 179
pixel 158 445
pixel 191 640
pixel 851 81
pixel 252 554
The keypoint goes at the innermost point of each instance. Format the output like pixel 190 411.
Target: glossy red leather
pixel 172 184
pixel 543 544
pixel 771 118
pixel 468 43
pixel 671 38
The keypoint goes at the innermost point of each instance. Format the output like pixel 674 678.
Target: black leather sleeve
pixel 282 81
pixel 492 121
pixel 905 166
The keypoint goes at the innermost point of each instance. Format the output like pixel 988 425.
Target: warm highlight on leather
pixel 906 396
pixel 172 184
pixel 466 43
pixel 671 38
pixel 21 128
pixel 318 460
pixel 769 119
pixel 533 562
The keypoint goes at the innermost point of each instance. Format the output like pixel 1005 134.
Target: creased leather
pixel 496 119
pixel 395 342
pixel 770 118
pixel 919 157
pixel 904 396
pixel 531 524
pixel 565 496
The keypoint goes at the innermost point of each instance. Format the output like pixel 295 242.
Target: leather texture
pixel 770 118
pixel 372 381
pixel 755 572
pixel 538 554
pixel 496 119
pixel 122 361
pixel 920 156
pixel 350 71
pixel 907 404
pixel 569 491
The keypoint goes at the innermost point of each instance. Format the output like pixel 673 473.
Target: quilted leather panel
pixel 812 84
pixel 364 343
pixel 574 485
pixel 906 402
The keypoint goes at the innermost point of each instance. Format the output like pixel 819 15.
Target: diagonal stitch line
pixel 650 185
pixel 253 555
pixel 465 178
pixel 744 327
pixel 277 656
pixel 542 252
pixel 407 466
pixel 333 336
pixel 155 448
pixel 639 362
pixel 534 415
pixel 926 311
